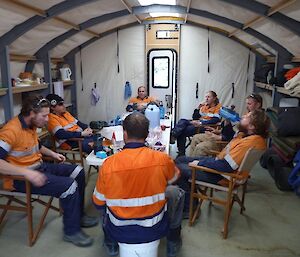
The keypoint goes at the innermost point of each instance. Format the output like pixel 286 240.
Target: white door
pixel 162 77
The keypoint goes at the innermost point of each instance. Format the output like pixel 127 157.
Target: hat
pixel 54 99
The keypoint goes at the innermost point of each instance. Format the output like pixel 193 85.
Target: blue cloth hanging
pixel 294 177
pixel 127 90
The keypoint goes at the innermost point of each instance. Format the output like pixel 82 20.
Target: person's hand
pixel 213 136
pixel 87 132
pixel 35 177
pixel 58 157
pixel 196 123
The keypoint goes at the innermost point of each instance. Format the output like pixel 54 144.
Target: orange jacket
pixel 208 113
pixel 66 122
pixel 132 184
pixel 236 149
pixel 22 145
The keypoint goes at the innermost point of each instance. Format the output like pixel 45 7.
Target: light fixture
pixel 162 2
pixel 162 14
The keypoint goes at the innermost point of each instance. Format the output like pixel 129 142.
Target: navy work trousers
pixel 66 182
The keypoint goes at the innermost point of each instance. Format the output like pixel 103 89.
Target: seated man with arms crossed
pixel 134 186
pixel 140 102
pixel 21 154
pixel 64 126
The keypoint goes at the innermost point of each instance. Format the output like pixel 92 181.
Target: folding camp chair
pixel 16 203
pixel 235 181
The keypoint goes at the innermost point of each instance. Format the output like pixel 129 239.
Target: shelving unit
pixel 3 91
pixel 277 92
pixel 17 90
pixel 68 83
pixel 280 90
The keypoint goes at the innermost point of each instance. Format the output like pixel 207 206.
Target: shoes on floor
pixel 80 239
pixel 173 247
pixel 112 248
pixel 89 221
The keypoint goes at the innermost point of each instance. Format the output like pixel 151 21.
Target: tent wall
pixel 228 64
pixel 99 65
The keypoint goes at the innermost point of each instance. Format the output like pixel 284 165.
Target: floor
pixel 269 227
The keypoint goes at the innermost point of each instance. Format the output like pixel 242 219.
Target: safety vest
pixel 208 113
pixel 132 185
pixel 137 100
pixel 236 149
pixel 22 145
pixel 66 122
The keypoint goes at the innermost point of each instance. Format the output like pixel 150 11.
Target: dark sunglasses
pixel 60 104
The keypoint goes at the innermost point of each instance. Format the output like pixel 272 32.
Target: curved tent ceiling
pixel 34 27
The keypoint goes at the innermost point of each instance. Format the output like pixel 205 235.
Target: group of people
pixel 143 192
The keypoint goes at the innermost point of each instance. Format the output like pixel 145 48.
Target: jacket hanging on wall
pixel 127 90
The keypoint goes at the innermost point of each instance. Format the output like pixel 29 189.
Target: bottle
pixel 152 113
pixel 98 139
pixel 161 110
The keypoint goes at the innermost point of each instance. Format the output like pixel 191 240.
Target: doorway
pixel 162 77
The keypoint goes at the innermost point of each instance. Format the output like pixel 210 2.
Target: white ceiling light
pixel 159 14
pixel 163 2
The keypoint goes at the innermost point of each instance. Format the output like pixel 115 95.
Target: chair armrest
pixel 213 152
pixel 14 177
pixel 239 175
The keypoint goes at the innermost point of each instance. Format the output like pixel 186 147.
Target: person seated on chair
pixel 203 144
pixel 21 153
pixel 64 126
pixel 140 102
pixel 253 130
pixel 207 113
pixel 137 212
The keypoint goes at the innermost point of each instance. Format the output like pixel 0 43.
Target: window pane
pixel 161 72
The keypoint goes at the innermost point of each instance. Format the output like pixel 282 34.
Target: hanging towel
pixel 127 90
pixel 95 96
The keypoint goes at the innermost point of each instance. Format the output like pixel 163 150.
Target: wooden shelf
pixel 264 86
pixel 68 83
pixel 17 90
pixel 280 90
pixel 3 91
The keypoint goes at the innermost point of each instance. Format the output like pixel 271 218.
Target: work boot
pixel 88 221
pixel 173 247
pixel 79 238
pixel 112 248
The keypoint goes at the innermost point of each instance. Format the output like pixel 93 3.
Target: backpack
pixel 294 177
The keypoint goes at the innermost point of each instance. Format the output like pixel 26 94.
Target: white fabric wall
pixel 228 63
pixel 99 64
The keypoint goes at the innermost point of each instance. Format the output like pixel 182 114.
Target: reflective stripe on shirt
pixel 148 222
pixel 5 145
pixel 33 150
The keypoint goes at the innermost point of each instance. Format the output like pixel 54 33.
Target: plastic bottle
pixel 152 113
pixel 98 139
pixel 161 110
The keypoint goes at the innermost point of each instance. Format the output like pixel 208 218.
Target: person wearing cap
pixel 21 154
pixel 64 126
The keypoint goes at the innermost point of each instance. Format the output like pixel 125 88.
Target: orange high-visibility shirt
pixel 22 145
pixel 236 149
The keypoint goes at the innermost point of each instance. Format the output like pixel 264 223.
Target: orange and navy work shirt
pixel 207 113
pixel 66 122
pixel 131 184
pixel 236 149
pixel 19 146
pixel 137 100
